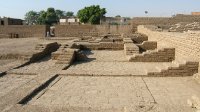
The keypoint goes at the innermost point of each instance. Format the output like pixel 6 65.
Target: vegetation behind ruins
pixel 91 15
pixel 49 17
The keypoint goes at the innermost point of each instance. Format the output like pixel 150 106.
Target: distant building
pixel 196 13
pixel 69 20
pixel 10 21
pixel 115 20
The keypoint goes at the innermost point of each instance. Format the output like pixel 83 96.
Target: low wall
pixel 139 39
pixel 161 55
pixel 103 46
pixel 72 30
pixel 90 30
pixel 165 21
pixel 148 45
pixel 150 20
pixel 22 31
pixel 186 69
pixel 64 56
pixel 115 29
pixel 129 47
pixel 186 45
pixel 41 50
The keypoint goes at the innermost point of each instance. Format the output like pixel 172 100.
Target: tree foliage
pixel 91 14
pixel 50 16
pixel 69 14
pixel 42 17
pixel 117 16
pixel 60 14
pixel 31 17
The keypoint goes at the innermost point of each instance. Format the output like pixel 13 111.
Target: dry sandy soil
pixel 18 46
pixel 159 94
pixel 111 92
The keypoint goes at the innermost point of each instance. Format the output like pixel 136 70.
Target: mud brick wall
pixel 162 21
pixel 187 69
pixel 73 30
pixel 129 47
pixel 103 46
pixel 187 45
pixel 111 46
pixel 185 18
pixel 115 29
pixel 23 31
pixel 150 20
pixel 140 39
pixel 41 50
pixel 161 55
pixel 65 56
pixel 4 35
pixel 148 45
pixel 89 30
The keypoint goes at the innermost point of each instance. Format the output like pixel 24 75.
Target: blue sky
pixel 128 8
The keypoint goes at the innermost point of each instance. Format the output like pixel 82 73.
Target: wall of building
pixel 80 30
pixel 23 31
pixel 187 45
pixel 162 21
pixel 161 55
pixel 129 47
pixel 10 21
pixel 195 13
pixel 72 30
pixel 115 29
pixel 148 45
pixel 150 20
pixel 115 21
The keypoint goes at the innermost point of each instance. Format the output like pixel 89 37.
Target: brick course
pixel 23 31
pixel 186 44
pixel 161 55
pixel 90 30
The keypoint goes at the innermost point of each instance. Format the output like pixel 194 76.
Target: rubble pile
pixel 181 27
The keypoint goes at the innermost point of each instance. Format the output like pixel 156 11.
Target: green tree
pixel 51 16
pixel 117 16
pixel 69 14
pixel 60 14
pixel 42 17
pixel 91 14
pixel 31 17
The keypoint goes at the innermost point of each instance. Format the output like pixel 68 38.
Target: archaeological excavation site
pixel 150 65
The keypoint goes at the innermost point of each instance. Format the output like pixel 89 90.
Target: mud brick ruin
pixel 101 68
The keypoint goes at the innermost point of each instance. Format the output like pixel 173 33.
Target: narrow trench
pixel 2 74
pixel 38 90
pixel 154 100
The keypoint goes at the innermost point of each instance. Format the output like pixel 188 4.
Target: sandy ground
pixel 35 68
pixel 6 65
pixel 4 62
pixel 164 94
pixel 106 56
pixel 110 68
pixel 10 82
pixel 18 46
pixel 97 92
